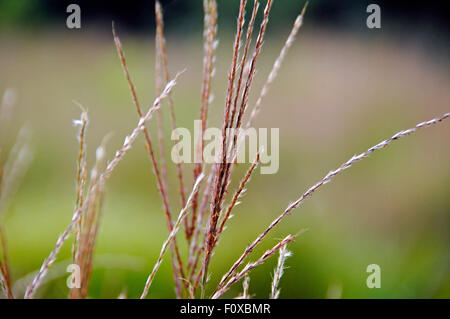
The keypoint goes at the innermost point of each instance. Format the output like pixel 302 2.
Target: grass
pixel 234 112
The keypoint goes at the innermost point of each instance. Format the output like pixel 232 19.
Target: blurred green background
pixel 342 89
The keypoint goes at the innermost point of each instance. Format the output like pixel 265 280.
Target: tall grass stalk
pixel 171 237
pixel 162 61
pixel 162 187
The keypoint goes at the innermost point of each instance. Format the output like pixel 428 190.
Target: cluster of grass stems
pixel 203 214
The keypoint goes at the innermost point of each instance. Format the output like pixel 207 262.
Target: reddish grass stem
pixel 163 61
pixel 210 30
pixel 176 258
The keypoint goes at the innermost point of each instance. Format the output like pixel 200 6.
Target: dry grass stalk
pixel 218 195
pixel 176 258
pixel 244 272
pixel 273 73
pixel 80 183
pixel 278 273
pixel 322 182
pixel 224 171
pixel 195 247
pixel 277 65
pixel 128 142
pixel 210 45
pixel 245 288
pixel 199 248
pixel 149 145
pixel 233 148
pixel 257 51
pixel 159 83
pixel 127 145
pixel 244 59
pixel 237 195
pixel 89 224
pixel 81 161
pixel 37 280
pixel 161 45
pixel 259 42
pixel 90 229
pixel 170 238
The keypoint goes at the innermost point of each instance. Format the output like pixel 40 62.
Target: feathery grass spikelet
pixel 245 286
pixel 257 51
pixel 244 272
pixel 236 196
pixel 243 62
pixel 278 273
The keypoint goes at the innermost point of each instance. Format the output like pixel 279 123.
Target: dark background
pixel 138 15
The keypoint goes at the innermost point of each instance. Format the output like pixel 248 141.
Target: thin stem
pixel 177 264
pixel 163 61
pixel 210 44
pixel 236 196
pixel 171 237
pixel 278 273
